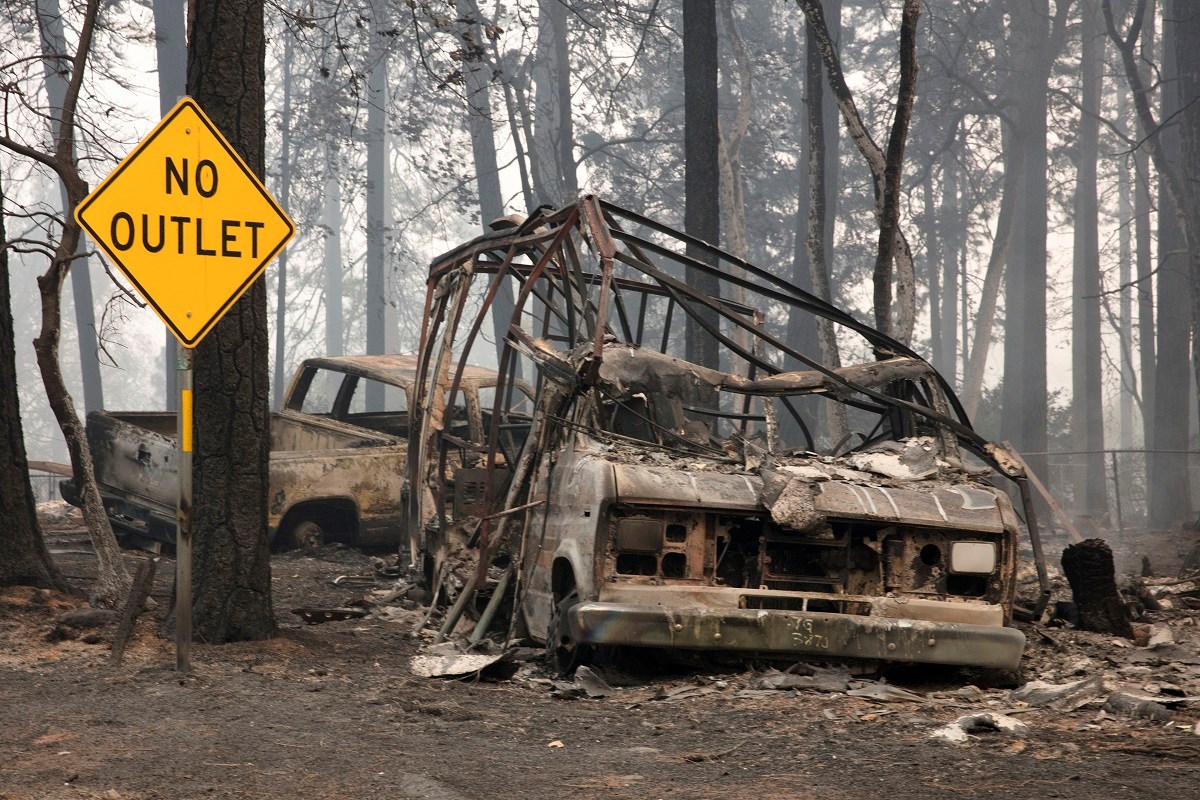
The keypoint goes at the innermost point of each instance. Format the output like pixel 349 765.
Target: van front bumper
pixel 799 633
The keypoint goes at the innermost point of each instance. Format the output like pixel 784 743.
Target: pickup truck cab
pixel 338 455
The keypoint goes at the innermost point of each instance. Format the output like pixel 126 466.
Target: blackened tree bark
pixel 1088 566
pixel 232 570
pixel 23 556
pixel 701 149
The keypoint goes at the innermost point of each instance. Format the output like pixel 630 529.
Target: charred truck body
pixel 639 499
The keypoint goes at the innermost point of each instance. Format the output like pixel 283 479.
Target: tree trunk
pixel 879 164
pixel 553 144
pixel 1088 566
pixel 483 146
pixel 1087 408
pixel 993 278
pixel 953 239
pixel 701 145
pixel 232 570
pixel 112 580
pixel 933 268
pixel 1024 411
pixel 889 212
pixel 1187 36
pixel 170 39
pixel 733 202
pixel 54 52
pixel 335 334
pixel 378 192
pixel 1128 386
pixel 23 556
pixel 834 418
pixel 1145 262
pixel 279 385
pixel 1169 497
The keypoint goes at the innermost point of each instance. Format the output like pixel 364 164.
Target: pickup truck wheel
pixel 564 653
pixel 306 535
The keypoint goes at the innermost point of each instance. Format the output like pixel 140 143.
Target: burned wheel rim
pixel 565 653
pixel 307 535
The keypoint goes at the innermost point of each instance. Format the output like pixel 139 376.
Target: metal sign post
pixel 183 519
pixel 191 226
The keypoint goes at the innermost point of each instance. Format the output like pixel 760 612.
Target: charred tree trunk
pixel 1088 566
pixel 23 556
pixel 701 147
pixel 232 570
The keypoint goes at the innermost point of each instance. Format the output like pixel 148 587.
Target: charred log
pixel 1088 566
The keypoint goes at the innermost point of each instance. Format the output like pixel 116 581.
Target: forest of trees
pixel 1042 225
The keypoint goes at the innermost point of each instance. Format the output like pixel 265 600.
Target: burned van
pixel 763 502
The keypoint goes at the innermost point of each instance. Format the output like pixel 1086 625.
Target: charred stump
pixel 1088 566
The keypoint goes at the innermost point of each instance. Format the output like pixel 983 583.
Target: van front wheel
pixel 565 653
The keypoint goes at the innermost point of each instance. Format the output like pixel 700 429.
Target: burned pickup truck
pixel 768 503
pixel 338 455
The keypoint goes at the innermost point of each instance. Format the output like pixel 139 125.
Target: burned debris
pixel 614 493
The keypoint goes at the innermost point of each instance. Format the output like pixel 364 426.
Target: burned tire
pixel 565 654
pixel 306 534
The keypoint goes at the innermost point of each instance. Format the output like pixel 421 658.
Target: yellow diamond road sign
pixel 186 221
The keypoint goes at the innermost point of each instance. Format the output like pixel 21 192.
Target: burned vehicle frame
pixel 644 500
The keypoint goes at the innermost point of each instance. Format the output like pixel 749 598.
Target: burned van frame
pixel 591 306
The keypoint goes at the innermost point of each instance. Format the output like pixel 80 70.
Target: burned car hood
pixel 801 496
